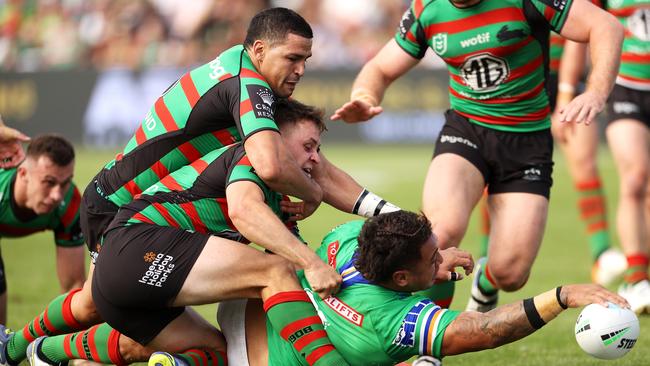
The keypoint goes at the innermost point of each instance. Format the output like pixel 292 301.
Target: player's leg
pixel 629 140
pixel 484 233
pixel 581 150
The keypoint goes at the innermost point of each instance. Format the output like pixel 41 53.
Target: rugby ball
pixel 606 332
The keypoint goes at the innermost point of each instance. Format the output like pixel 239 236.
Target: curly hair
pixel 390 242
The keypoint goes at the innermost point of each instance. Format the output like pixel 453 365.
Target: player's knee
pixel 281 271
pixel 509 279
pixel 634 183
pixel 448 235
pixel 84 309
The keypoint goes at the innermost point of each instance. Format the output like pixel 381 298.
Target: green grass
pixel 397 173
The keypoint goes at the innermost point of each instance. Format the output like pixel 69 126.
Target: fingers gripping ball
pixel 606 332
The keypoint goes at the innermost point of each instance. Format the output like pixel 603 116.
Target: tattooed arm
pixel 472 331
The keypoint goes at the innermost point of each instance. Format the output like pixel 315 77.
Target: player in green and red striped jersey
pixel 497 131
pixel 374 319
pixel 39 195
pixel 629 139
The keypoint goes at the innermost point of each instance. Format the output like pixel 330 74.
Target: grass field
pixel 397 173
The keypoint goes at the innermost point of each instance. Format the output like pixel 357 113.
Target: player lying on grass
pixel 219 194
pixel 39 195
pixel 374 319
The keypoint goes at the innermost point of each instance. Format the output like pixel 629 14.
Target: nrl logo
pixel 440 43
pixel 267 96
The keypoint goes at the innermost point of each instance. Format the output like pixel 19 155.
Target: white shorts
pixel 231 317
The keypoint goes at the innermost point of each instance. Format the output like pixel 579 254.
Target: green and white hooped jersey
pixel 496 53
pixel 368 324
pixel 634 72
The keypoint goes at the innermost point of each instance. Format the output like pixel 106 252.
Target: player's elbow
pixel 612 28
pixel 270 171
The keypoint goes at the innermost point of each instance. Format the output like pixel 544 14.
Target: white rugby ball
pixel 606 332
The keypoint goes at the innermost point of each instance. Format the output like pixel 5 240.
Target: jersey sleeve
pixel 554 11
pixel 67 232
pixel 242 170
pixel 420 330
pixel 256 105
pixel 410 33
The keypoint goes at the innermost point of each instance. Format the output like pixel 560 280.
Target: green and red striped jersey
pixel 496 54
pixel 194 197
pixel 63 220
pixel 367 323
pixel 214 105
pixel 634 72
pixel 557 47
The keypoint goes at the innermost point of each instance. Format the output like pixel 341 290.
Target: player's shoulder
pixel 6 175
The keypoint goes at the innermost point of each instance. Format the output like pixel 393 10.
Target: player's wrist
pixel 364 95
pixel 369 204
pixel 544 307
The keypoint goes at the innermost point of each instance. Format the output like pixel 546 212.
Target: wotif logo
pixel 478 39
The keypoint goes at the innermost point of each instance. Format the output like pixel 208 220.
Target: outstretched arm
pixel 473 331
pixel 588 23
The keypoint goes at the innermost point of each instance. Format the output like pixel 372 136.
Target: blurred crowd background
pixel 40 35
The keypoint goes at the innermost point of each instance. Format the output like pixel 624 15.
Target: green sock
pixel 99 343
pixel 203 357
pixel 485 282
pixel 591 204
pixel 56 319
pixel 441 293
pixel 293 316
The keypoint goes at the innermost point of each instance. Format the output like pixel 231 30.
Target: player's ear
pixel 259 49
pixel 401 277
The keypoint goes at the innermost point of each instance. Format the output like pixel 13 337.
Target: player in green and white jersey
pixel 497 131
pixel 39 195
pixel 628 138
pixel 374 319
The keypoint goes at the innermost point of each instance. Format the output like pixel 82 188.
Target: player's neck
pixel 19 200
pixel 464 3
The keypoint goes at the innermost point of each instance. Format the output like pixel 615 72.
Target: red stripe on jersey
pixel 132 188
pixel 165 214
pixel 635 57
pixel 189 89
pixel 633 79
pixel 245 107
pixel 223 204
pixel 417 8
pixel 457 79
pixel 510 120
pixel 495 51
pixel 199 165
pixel 472 22
pixel 91 342
pixel 140 217
pixel 623 12
pixel 119 156
pixel 244 161
pixel 248 73
pixel 291 328
pixel 411 37
pixel 165 117
pixel 549 13
pixel 171 183
pixel 225 76
pixel 198 224
pixel 517 98
pixel 224 137
pixel 72 209
pixel 189 151
pixel 557 40
pixel 528 68
pixel 18 231
pixel 160 170
pixel 554 64
pixel 319 352
pixel 140 137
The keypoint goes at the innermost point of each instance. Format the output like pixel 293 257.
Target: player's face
pixel 47 184
pixel 424 272
pixel 303 141
pixel 283 64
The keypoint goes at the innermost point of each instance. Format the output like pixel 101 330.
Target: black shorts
pixel 508 161
pixel 96 214
pixel 140 271
pixel 626 103
pixel 551 89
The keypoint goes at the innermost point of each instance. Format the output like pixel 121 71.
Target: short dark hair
pixel 275 24
pixel 390 242
pixel 55 147
pixel 291 111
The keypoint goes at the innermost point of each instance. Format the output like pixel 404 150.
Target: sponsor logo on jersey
pixel 558 5
pixel 149 121
pixel 262 99
pixel 484 72
pixel 457 140
pixel 506 34
pixel 440 43
pixel 478 39
pixel 344 310
pixel 625 107
pixel 639 24
pixel 405 336
pixel 332 249
pixel 159 269
pixel 406 23
pixel 217 70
